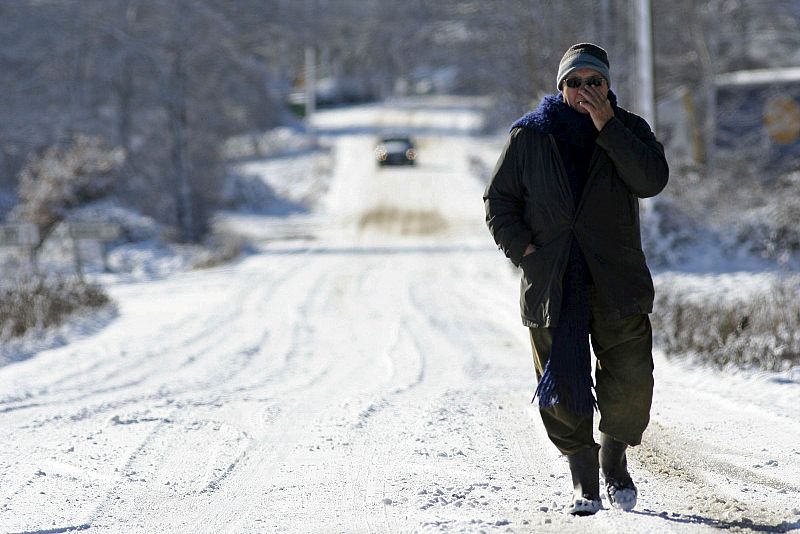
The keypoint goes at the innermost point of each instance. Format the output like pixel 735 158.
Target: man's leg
pixel 624 375
pixel 624 386
pixel 570 433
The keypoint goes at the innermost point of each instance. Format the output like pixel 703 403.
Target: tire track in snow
pixel 403 357
pixel 400 378
pixel 211 342
pixel 96 410
pixel 134 364
pixel 155 454
pixel 366 476
pixel 370 294
pixel 703 487
pixel 104 503
pixel 218 336
pixel 232 473
pixel 295 357
pixel 434 382
pixel 324 384
pixel 480 338
pixel 302 382
pixel 261 350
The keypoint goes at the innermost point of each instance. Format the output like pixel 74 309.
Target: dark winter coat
pixel 528 200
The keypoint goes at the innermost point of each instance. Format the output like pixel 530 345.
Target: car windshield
pixel 403 140
pixel 396 146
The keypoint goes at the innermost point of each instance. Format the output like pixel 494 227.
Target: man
pixel 562 204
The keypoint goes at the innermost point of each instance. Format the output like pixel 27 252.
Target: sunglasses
pixel 574 83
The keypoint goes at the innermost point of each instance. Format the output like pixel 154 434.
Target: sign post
pixel 24 236
pixel 18 235
pixel 96 231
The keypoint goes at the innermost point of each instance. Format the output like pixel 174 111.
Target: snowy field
pixel 364 371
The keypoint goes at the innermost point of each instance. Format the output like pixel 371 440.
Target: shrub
pixel 771 231
pixel 35 302
pixel 761 331
pixel 220 249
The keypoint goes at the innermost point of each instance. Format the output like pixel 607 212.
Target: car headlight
pixel 411 154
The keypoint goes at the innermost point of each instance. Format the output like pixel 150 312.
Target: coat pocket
pixel 541 281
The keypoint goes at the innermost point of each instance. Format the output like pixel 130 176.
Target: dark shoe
pixel 622 492
pixel 584 466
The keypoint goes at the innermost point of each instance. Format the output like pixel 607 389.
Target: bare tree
pixel 65 177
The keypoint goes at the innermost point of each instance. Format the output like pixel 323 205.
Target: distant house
pixel 757 122
pixel 758 118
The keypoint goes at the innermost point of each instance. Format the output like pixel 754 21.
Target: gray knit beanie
pixel 583 56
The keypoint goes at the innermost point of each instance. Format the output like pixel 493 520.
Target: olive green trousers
pixel 623 383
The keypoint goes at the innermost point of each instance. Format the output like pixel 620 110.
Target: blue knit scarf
pixel 567 376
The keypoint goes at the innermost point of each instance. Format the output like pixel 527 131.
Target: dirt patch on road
pixel 404 222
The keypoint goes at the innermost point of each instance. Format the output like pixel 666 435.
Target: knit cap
pixel 583 56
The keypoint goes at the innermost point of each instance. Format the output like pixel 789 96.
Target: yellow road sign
pixel 782 119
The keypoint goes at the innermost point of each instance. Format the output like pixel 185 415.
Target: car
pixel 395 150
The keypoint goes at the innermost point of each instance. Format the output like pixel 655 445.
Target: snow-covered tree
pixel 64 177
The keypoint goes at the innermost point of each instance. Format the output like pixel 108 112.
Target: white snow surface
pixel 359 374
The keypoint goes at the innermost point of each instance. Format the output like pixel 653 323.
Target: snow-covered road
pixel 375 379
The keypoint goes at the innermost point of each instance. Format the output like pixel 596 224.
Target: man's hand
pixel 595 101
pixel 528 250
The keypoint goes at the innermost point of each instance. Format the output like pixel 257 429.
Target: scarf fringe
pixel 582 402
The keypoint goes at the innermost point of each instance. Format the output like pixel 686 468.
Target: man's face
pixel 573 96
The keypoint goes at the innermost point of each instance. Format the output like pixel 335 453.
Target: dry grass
pixel 403 222
pixel 221 249
pixel 36 302
pixel 761 332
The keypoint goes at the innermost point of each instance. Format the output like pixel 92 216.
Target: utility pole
pixel 310 73
pixel 644 44
pixel 710 64
pixel 311 92
pixel 605 24
pixel 646 98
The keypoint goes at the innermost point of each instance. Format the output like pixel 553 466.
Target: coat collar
pixel 553 116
